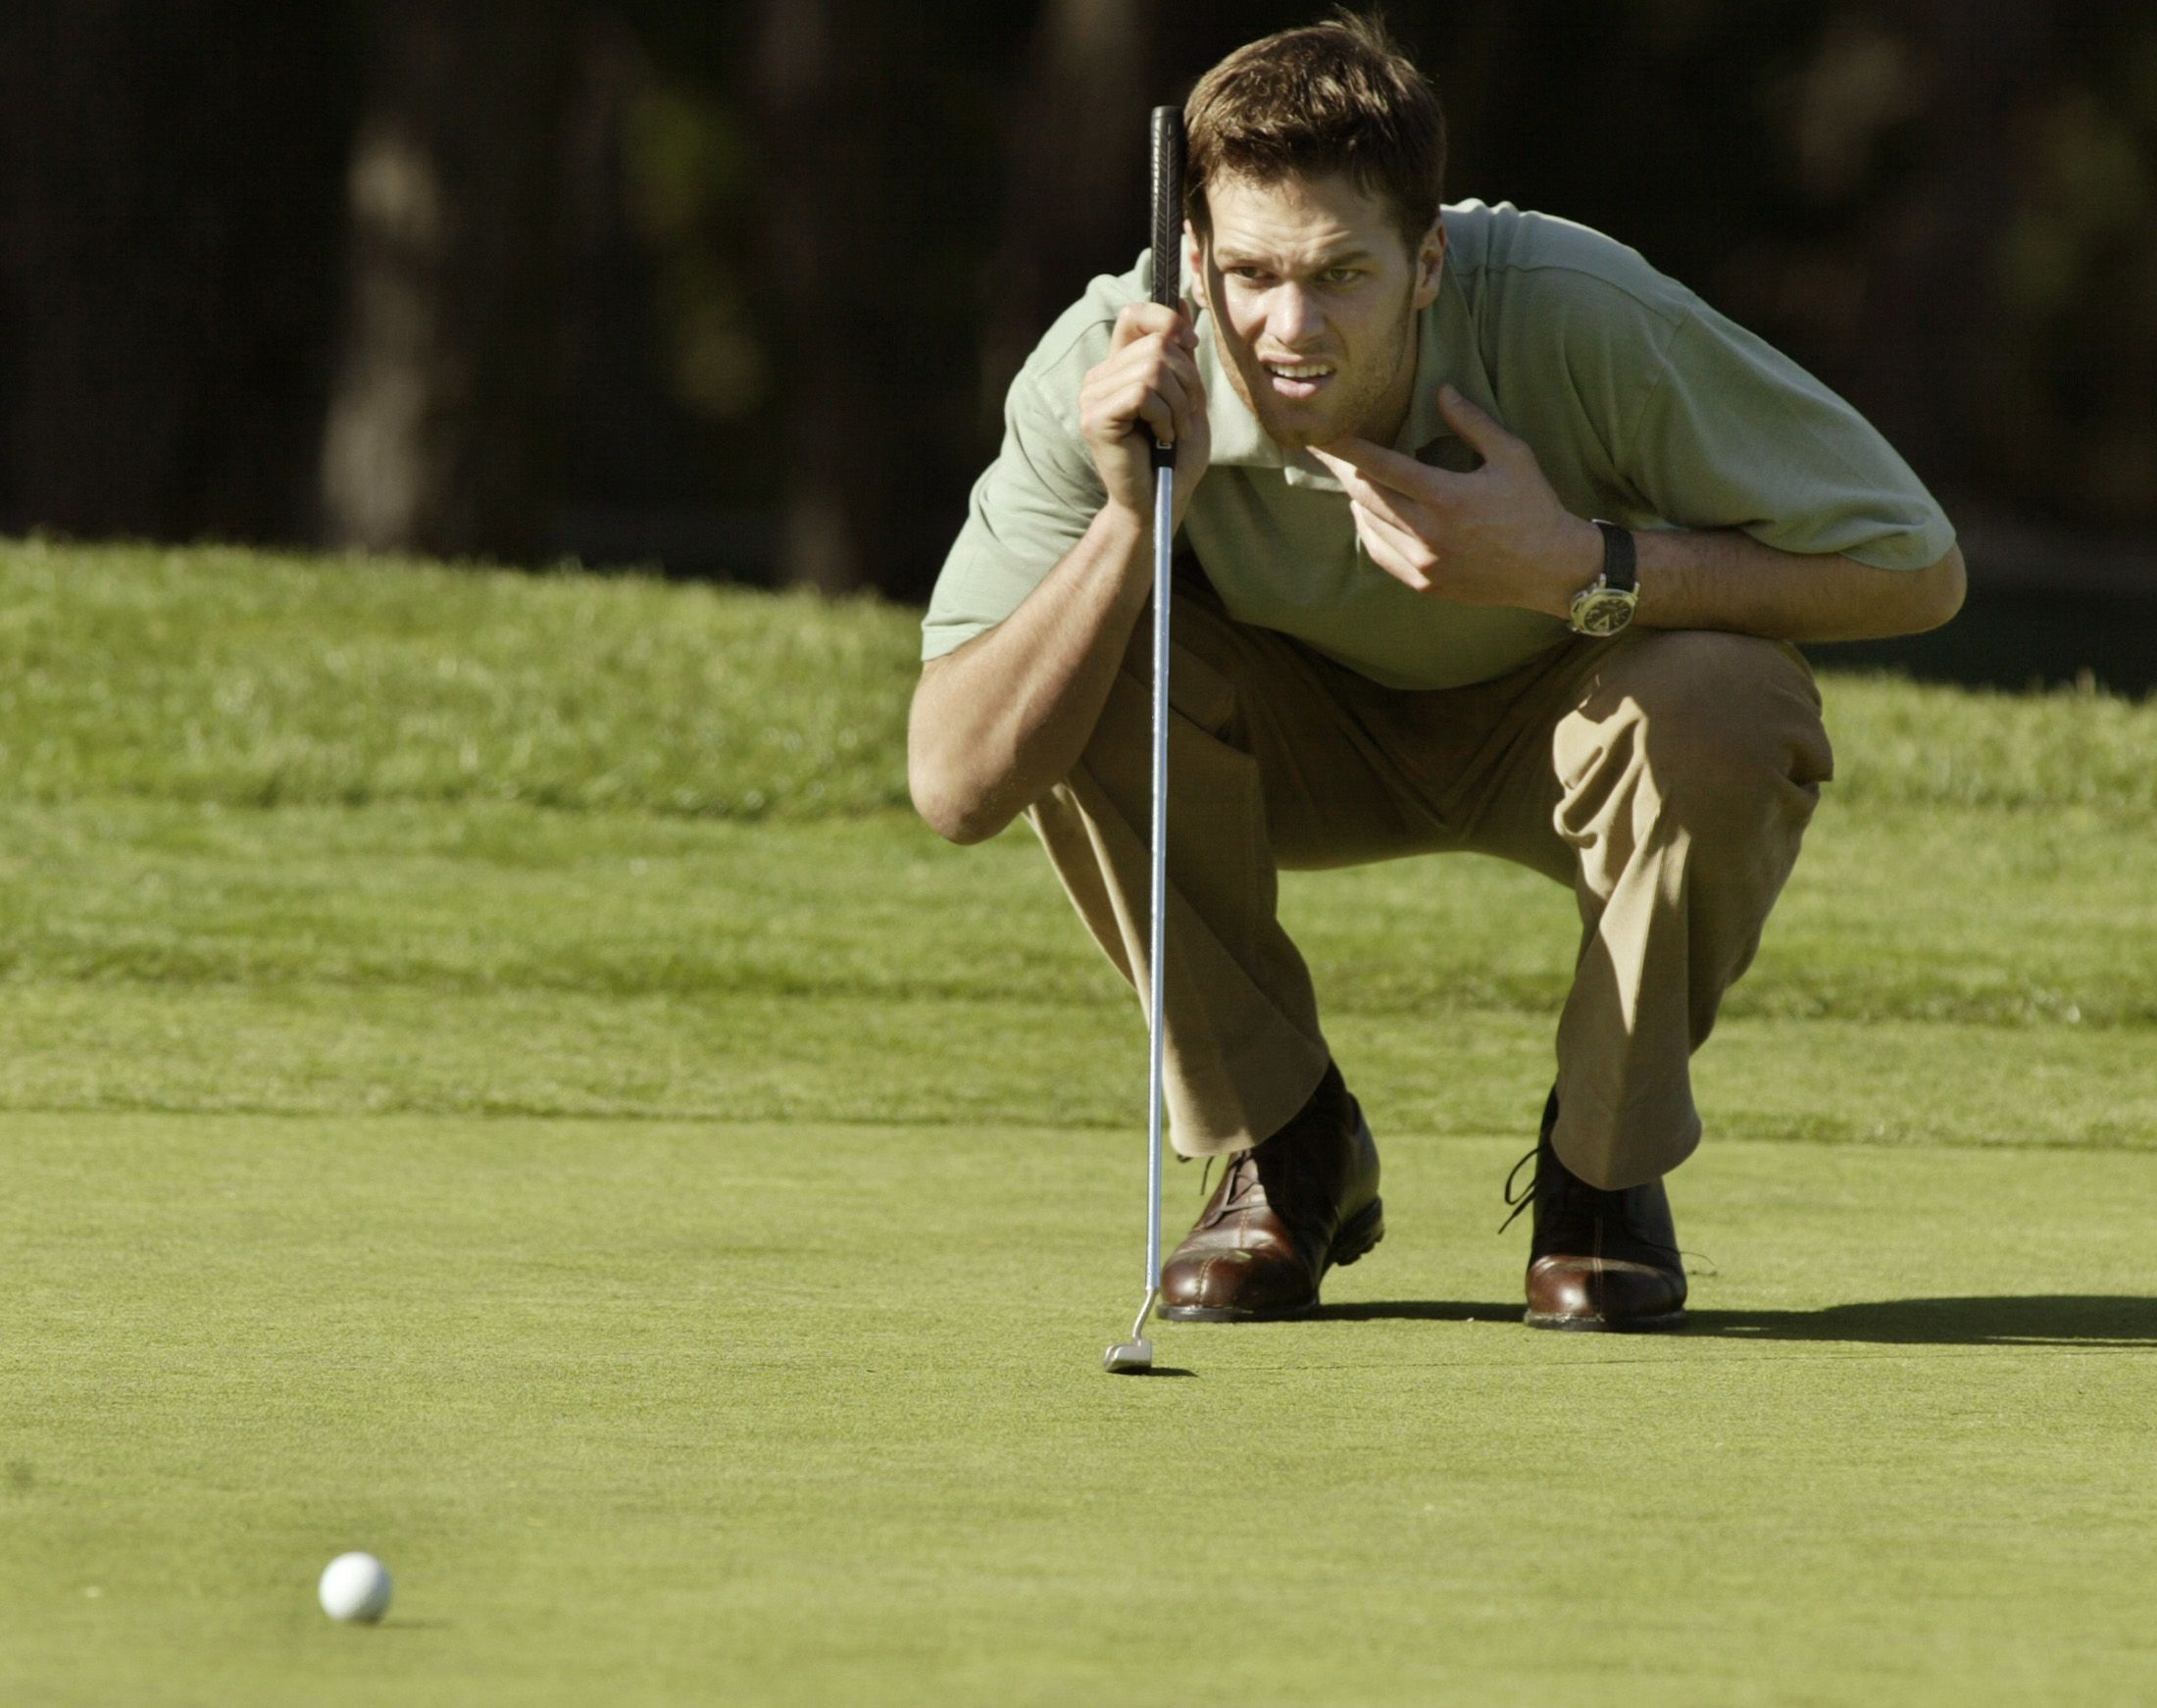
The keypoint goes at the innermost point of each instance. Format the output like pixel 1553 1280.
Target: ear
pixel 1429 264
pixel 1195 267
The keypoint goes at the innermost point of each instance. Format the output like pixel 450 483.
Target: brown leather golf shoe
pixel 1598 1259
pixel 1284 1213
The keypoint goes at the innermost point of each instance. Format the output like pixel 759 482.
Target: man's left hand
pixel 1498 536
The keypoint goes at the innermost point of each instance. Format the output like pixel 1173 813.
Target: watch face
pixel 1603 611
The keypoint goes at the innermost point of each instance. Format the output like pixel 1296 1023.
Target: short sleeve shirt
pixel 1642 403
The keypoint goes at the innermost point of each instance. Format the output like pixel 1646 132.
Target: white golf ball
pixel 355 1588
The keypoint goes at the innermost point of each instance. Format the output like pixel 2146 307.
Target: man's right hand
pixel 1148 385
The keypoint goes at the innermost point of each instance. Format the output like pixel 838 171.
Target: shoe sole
pixel 1353 1243
pixel 1604 1324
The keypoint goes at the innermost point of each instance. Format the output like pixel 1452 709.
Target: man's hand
pixel 1148 385
pixel 1498 536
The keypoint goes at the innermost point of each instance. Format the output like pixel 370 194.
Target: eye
pixel 1247 273
pixel 1338 274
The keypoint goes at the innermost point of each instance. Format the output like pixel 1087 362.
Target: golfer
pixel 1491 538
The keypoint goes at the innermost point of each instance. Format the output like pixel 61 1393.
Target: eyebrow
pixel 1241 258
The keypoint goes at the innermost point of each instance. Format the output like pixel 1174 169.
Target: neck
pixel 1390 414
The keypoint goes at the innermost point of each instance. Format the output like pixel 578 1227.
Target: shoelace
pixel 1552 1182
pixel 1237 1190
pixel 1291 1200
pixel 1524 1200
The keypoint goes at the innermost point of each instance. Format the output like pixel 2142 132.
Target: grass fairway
pixel 489 1075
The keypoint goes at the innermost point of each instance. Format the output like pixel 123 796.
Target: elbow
pixel 957 798
pixel 947 806
pixel 1939 592
pixel 951 818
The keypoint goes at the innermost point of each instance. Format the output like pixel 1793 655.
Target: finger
pixel 1148 358
pixel 1143 384
pixel 1381 466
pixel 1168 389
pixel 1117 406
pixel 1150 409
pixel 1409 515
pixel 1478 425
pixel 1193 389
pixel 1383 547
pixel 1175 376
pixel 1176 384
pixel 1187 401
pixel 1399 553
pixel 1140 320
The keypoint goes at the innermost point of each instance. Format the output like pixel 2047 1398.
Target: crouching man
pixel 1493 538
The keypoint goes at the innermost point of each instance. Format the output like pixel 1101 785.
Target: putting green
pixel 486 1077
pixel 652 1411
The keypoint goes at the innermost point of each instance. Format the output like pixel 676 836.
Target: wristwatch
pixel 1605 605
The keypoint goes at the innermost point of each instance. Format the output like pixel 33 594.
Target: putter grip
pixel 1167 228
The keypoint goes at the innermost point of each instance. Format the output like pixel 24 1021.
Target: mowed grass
pixel 490 1074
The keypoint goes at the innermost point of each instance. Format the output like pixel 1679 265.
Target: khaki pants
pixel 1666 775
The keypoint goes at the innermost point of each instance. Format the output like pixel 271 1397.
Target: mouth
pixel 1297 381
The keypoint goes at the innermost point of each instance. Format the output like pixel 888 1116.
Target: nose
pixel 1291 318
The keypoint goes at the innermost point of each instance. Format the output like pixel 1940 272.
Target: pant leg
pixel 1680 771
pixel 1262 756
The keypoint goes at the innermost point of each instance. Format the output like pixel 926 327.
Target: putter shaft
pixel 1164 511
pixel 1168 226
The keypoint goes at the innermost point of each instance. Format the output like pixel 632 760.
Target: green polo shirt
pixel 1642 405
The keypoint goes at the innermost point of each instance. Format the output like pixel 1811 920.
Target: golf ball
pixel 355 1588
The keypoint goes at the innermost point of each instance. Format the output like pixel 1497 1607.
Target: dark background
pixel 733 289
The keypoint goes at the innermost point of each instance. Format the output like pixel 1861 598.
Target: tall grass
pixel 252 680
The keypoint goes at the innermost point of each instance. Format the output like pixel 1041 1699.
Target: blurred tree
pixel 870 182
pixel 168 263
pixel 444 428
pixel 839 274
pixel 1073 172
pixel 2070 425
pixel 657 352
pixel 1954 76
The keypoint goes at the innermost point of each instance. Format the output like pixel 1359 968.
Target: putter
pixel 1135 1355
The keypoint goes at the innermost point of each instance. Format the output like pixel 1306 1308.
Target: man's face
pixel 1316 297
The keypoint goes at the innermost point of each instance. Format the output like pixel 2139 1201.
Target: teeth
pixel 1302 371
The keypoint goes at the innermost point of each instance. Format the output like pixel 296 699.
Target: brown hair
pixel 1333 97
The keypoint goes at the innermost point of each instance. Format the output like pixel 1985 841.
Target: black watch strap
pixel 1621 573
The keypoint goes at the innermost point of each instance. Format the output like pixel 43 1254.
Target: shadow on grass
pixel 2006 1320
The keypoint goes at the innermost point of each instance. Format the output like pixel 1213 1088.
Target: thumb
pixel 1478 425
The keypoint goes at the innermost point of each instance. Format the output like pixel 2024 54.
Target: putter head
pixel 1128 1357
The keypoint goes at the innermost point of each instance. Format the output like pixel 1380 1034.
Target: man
pixel 1494 538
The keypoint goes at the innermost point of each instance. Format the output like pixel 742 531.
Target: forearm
pixel 999 722
pixel 1726 579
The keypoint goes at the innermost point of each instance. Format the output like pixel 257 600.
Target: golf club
pixel 1128 1357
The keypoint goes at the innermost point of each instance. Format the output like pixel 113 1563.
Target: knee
pixel 1731 719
